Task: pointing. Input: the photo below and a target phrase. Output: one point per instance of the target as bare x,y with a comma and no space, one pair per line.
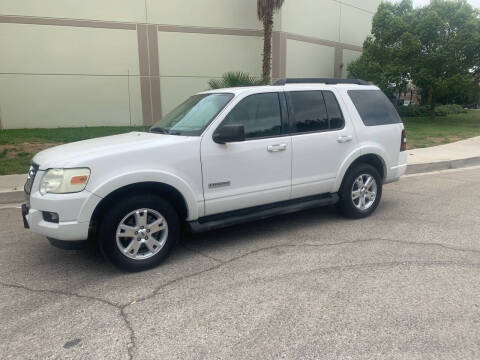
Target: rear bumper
399,170
395,173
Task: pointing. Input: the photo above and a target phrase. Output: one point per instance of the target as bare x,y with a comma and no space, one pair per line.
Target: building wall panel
111,10
348,57
189,60
47,49
29,101
314,18
208,55
368,5
240,14
309,60
355,25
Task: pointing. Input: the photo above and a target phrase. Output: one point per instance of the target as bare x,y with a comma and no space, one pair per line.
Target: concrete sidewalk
450,156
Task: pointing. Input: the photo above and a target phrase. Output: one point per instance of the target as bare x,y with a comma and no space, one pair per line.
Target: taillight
403,143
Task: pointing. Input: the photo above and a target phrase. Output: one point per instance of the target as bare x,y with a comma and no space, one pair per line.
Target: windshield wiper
175,133
159,130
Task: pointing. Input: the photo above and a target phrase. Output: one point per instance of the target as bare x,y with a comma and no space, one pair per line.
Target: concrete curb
442,165
16,196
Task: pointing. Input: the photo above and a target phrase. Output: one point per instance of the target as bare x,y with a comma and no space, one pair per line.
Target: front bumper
63,230
74,211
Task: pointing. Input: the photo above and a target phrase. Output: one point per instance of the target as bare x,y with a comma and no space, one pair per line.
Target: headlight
62,181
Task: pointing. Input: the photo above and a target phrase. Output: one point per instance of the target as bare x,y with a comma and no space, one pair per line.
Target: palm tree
265,11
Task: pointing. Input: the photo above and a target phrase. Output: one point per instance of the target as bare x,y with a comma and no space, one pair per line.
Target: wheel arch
166,191
372,159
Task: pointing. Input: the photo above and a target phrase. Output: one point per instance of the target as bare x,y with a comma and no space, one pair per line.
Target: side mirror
229,133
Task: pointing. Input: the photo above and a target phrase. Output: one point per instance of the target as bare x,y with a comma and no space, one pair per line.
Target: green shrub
235,79
413,111
450,109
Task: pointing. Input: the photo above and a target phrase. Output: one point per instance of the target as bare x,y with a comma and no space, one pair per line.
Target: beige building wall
68,63
201,57
309,60
348,57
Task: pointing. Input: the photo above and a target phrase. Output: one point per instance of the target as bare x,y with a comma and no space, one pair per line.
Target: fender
354,155
195,205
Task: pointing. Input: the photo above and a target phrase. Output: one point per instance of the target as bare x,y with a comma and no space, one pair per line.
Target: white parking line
10,206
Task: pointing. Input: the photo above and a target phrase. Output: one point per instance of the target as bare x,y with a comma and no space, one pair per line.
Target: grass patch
61,135
423,132
18,146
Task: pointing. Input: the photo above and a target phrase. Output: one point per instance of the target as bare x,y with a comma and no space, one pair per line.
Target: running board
218,221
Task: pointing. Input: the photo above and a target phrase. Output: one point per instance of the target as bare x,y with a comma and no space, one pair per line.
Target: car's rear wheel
361,191
139,233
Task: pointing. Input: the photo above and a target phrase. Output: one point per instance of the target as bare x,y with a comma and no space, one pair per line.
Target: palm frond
235,79
266,8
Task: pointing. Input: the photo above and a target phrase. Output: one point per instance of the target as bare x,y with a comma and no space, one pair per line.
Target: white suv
221,158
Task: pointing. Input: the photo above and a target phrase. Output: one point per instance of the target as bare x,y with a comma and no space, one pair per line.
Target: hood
82,153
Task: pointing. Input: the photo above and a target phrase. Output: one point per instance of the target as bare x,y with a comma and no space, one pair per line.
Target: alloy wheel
364,192
141,234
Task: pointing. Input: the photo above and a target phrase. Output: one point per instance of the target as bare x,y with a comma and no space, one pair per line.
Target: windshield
192,116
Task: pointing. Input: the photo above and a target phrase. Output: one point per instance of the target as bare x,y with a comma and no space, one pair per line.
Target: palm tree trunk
267,48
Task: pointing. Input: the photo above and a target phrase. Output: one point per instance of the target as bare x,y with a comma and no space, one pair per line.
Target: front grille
30,178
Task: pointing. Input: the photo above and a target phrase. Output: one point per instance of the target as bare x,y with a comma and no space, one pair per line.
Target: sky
475,3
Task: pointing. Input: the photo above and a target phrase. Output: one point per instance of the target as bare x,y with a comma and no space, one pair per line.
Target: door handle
344,139
277,147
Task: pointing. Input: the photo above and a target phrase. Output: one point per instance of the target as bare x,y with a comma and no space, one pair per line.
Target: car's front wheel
139,233
360,192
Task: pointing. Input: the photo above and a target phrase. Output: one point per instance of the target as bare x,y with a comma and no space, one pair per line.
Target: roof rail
328,81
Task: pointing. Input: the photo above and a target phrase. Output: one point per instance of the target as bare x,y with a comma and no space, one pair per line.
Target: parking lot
402,284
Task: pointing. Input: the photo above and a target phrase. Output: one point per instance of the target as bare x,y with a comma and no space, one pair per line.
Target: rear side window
316,111
310,111
374,107
333,109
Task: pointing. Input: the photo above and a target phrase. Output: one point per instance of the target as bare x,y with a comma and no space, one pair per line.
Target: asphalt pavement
402,284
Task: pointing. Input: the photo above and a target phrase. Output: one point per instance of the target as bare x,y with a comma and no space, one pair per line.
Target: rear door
382,126
321,140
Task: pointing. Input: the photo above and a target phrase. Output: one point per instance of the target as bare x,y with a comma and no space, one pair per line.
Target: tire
352,207
150,226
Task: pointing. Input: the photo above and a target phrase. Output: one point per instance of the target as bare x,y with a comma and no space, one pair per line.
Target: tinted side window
259,114
310,111
374,107
335,116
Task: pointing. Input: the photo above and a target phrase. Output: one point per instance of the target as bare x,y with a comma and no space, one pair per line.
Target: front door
253,172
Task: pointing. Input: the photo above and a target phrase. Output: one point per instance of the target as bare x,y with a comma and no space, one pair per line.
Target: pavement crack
133,337
195,251
376,265
58,292
447,247
220,263
131,346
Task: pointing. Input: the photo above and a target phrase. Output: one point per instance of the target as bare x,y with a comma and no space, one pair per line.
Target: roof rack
328,81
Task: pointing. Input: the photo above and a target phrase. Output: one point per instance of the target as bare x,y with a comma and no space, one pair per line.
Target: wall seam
164,28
